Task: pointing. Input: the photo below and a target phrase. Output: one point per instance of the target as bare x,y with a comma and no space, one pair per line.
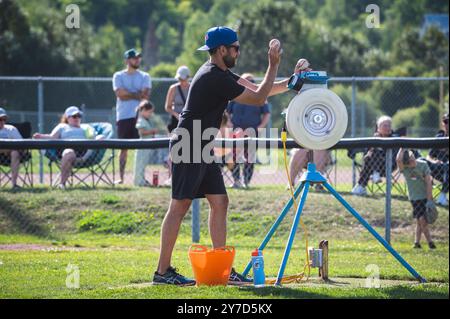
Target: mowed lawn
112,238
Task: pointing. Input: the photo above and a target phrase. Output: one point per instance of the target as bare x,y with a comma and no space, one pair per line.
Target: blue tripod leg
374,233
287,251
275,225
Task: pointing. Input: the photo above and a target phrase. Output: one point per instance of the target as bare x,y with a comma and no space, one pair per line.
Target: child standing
420,186
146,130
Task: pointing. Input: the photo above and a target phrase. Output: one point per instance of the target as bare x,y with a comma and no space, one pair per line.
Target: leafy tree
25,51
193,39
260,23
428,51
163,70
406,117
169,42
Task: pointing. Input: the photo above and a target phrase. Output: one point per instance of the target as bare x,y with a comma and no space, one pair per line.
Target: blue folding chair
95,163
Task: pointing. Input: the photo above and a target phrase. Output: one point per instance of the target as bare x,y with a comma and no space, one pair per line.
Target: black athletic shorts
419,208
126,129
195,180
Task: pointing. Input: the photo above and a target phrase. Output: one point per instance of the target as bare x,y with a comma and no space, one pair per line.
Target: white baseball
275,43
302,64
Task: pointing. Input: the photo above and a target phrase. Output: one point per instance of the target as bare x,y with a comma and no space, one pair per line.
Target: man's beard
135,66
229,61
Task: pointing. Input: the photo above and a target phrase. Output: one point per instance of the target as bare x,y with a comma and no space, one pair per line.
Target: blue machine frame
312,176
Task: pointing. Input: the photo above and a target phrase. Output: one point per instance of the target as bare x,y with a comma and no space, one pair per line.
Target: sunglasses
2,119
76,116
445,121
236,47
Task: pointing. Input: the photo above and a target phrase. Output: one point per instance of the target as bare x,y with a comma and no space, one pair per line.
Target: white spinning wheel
316,119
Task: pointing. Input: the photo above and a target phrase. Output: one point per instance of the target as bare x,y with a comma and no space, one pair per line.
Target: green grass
112,237
107,271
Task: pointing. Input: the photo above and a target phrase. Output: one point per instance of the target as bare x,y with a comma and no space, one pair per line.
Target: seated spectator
438,162
299,159
146,129
10,156
70,128
249,119
375,158
420,191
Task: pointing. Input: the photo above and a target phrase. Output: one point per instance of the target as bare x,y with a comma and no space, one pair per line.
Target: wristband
295,82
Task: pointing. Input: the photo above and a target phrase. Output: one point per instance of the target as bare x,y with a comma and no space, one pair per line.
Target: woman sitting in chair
70,128
375,158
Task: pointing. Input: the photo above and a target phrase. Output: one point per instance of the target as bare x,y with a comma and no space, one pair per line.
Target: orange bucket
211,267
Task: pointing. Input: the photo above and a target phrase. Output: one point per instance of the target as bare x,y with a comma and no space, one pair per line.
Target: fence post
353,126
388,208
41,125
196,220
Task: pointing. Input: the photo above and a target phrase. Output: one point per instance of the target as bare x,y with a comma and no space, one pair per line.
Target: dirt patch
37,247
28,247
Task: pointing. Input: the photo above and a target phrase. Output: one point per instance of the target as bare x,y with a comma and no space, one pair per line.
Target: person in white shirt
9,156
70,128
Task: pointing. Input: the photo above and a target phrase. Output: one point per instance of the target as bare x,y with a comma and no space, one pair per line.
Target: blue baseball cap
218,36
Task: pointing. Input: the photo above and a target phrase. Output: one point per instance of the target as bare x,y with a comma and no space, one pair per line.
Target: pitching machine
316,118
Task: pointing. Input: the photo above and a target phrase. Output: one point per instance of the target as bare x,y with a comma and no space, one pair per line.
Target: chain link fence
91,164
414,103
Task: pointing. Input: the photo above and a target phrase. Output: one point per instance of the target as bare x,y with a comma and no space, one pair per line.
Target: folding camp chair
95,165
26,161
379,186
438,184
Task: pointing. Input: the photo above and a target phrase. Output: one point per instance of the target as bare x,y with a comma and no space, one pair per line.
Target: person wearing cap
176,96
175,101
438,162
194,172
131,86
420,192
70,128
11,157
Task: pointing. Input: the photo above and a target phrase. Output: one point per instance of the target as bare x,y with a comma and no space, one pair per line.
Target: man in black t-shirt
194,175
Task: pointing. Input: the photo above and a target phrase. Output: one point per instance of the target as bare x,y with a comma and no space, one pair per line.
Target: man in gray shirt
131,86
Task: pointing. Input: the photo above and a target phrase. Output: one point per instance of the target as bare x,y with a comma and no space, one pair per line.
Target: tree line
332,34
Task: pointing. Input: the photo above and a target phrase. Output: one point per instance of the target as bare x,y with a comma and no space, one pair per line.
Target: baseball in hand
302,64
275,43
